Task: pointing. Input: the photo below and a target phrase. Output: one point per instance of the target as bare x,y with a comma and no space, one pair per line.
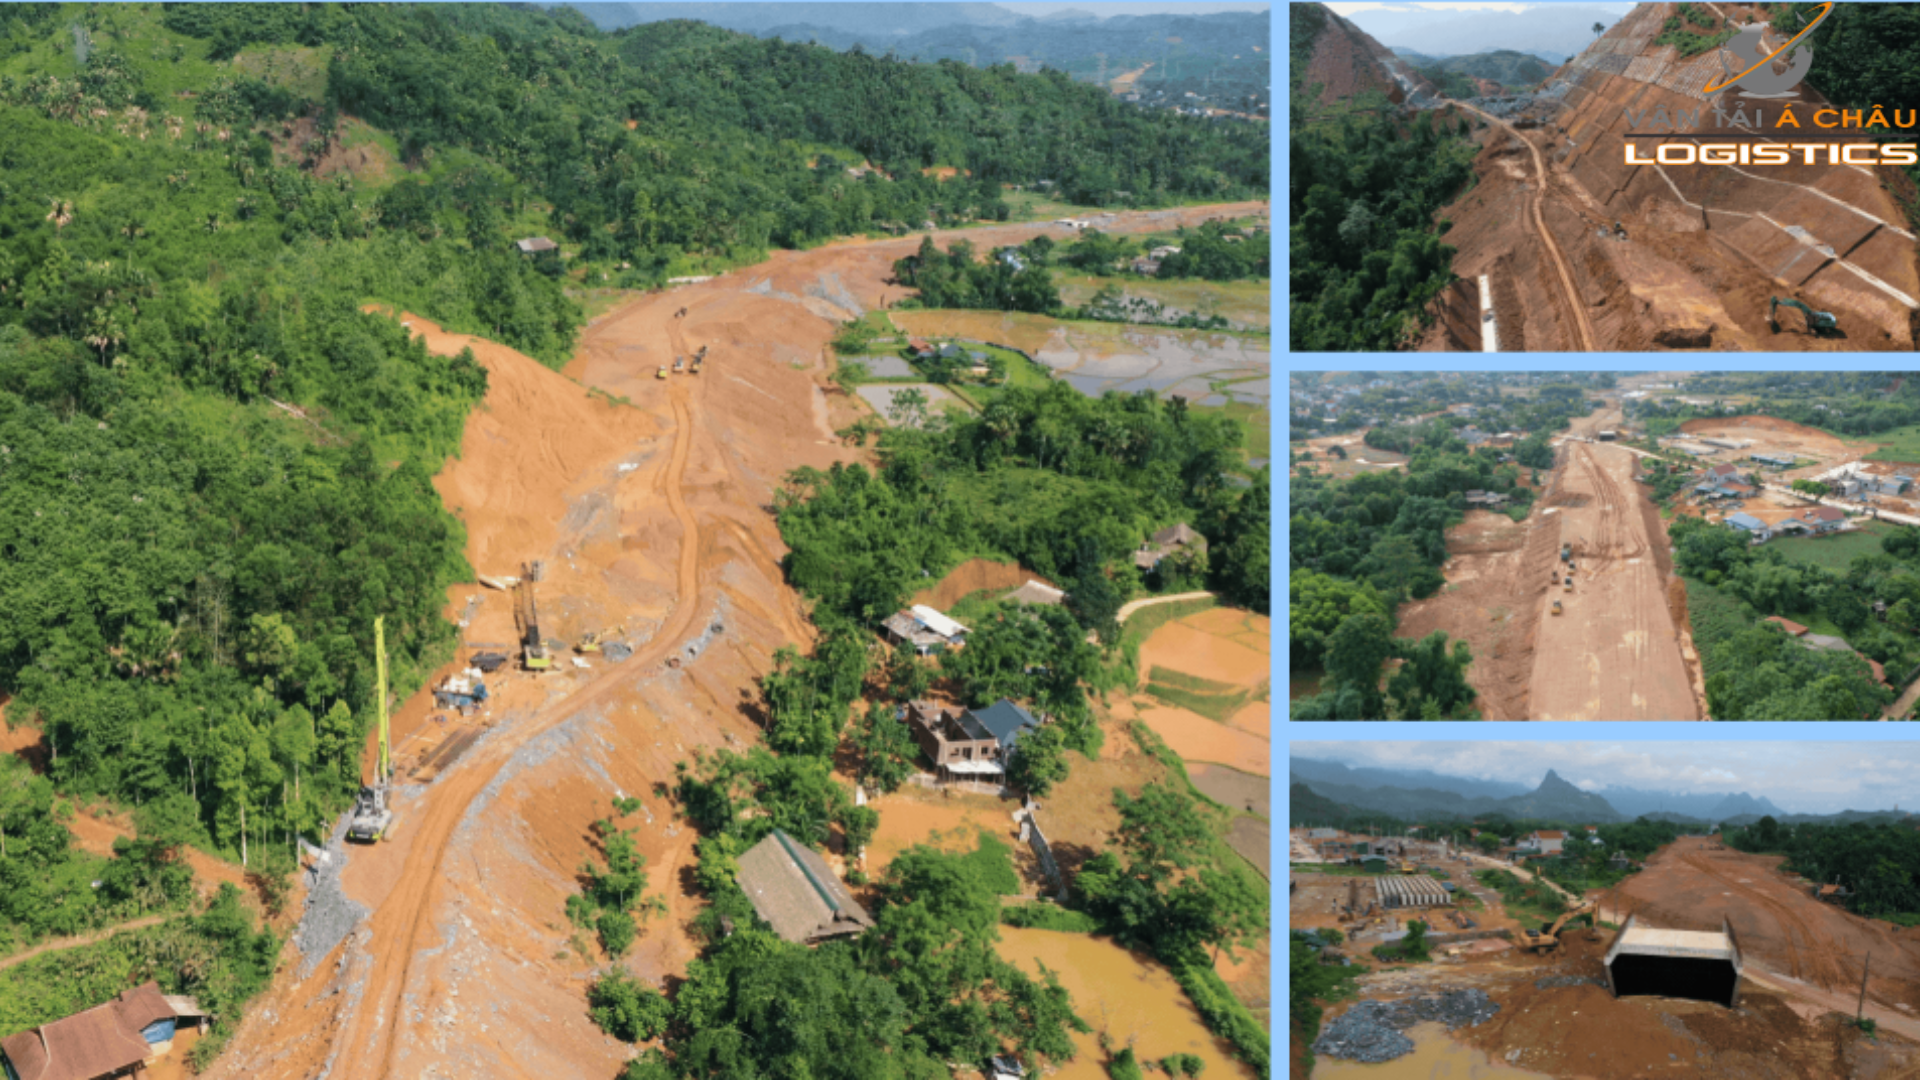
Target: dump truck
372,817
679,364
1569,585
1566,552
1556,607
1819,323
1546,939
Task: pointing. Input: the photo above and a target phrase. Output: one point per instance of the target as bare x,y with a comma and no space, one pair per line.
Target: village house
921,350
1488,499
1777,461
123,1037
1548,843
1166,542
1750,525
1035,594
1828,643
792,888
1826,519
534,245
924,629
964,743
1618,861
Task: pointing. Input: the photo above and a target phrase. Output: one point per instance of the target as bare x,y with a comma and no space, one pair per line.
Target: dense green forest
1365,250
725,156
1361,546
1878,864
1755,671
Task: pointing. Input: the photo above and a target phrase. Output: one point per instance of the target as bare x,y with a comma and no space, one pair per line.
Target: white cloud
1588,785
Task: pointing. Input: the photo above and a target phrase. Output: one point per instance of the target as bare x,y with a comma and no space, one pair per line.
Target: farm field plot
1244,303
1095,357
1834,551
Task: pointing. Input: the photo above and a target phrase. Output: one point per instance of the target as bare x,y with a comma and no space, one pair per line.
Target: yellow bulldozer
1556,607
1547,939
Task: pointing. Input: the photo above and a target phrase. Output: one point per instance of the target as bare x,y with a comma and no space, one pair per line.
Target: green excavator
1819,323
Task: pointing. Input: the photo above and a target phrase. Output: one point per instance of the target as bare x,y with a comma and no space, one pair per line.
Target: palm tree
213,223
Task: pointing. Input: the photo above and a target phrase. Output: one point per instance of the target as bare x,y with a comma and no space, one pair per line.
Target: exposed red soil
1347,62
1707,245
1691,885
972,576
650,517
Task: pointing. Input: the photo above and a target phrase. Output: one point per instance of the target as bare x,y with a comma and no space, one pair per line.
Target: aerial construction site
1591,222
631,596
1559,949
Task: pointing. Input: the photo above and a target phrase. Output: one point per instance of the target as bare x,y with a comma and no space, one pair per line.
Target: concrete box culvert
1690,964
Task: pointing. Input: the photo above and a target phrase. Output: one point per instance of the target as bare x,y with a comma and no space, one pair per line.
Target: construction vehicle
1546,939
1619,231
1819,323
679,364
662,373
1556,607
463,693
372,817
1566,552
699,359
1408,868
1569,585
534,652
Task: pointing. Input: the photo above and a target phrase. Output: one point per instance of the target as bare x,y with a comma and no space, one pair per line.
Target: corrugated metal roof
937,622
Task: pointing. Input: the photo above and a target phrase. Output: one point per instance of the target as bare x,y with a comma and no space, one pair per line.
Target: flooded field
1434,1057
1244,303
881,395
1206,367
1209,687
1128,997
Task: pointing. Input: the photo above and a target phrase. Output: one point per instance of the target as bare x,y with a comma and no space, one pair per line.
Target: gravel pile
1370,1031
1552,981
329,916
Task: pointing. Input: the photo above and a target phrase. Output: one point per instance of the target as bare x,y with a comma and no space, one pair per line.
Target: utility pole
1860,1011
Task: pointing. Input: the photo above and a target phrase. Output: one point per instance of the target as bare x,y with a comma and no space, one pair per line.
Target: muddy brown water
1435,1057
1133,1000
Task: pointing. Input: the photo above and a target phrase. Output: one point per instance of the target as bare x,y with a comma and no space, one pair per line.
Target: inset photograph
1603,909
1577,177
1593,546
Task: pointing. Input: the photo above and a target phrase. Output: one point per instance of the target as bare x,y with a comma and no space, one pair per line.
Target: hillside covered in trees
1367,176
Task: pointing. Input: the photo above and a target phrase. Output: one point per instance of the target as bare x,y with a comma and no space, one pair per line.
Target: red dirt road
1615,653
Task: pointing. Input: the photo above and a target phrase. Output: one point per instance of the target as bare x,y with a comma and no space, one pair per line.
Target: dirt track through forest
650,504
402,927
1569,294
74,942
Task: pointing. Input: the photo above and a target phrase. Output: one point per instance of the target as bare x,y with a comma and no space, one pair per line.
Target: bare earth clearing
651,518
1803,972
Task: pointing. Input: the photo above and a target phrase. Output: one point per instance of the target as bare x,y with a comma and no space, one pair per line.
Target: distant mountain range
1554,32
1504,66
1220,57
1331,792
1554,798
1333,772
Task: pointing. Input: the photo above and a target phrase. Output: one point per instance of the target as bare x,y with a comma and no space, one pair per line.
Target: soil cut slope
1707,245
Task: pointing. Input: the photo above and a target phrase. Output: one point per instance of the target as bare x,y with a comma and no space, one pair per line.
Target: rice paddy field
1243,303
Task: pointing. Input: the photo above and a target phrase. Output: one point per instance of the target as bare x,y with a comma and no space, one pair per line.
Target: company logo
1760,80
